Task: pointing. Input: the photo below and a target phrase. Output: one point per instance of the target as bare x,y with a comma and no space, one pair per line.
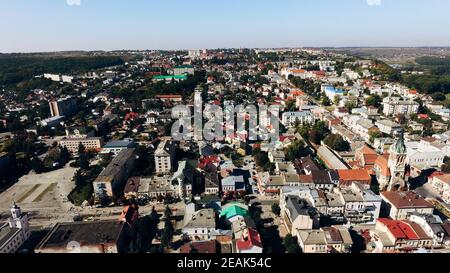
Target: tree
296,150
276,209
350,105
167,234
337,100
337,143
291,244
291,106
374,101
64,156
374,134
261,159
326,101
439,96
80,181
37,165
83,158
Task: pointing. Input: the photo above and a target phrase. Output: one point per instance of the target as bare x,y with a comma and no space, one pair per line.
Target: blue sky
53,25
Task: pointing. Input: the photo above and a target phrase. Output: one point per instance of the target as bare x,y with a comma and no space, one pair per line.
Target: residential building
400,236
90,144
234,212
115,147
348,177
395,105
331,160
298,214
388,127
325,179
114,176
170,78
441,182
422,156
362,206
433,227
250,242
331,92
83,237
199,225
402,204
290,119
165,157
184,70
63,107
53,121
233,183
326,240
203,247
312,241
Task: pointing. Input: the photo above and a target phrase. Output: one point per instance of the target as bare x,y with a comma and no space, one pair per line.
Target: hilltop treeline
437,76
14,70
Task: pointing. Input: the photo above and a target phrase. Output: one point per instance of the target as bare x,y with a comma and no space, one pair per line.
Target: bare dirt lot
41,195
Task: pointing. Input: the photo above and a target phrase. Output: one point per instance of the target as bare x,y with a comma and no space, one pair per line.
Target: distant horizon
218,48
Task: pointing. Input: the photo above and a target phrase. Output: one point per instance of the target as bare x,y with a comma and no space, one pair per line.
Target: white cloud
73,2
373,2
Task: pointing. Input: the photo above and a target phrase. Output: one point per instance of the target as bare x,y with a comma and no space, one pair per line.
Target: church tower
397,166
19,220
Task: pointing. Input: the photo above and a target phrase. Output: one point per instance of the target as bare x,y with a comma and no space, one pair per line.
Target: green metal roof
233,211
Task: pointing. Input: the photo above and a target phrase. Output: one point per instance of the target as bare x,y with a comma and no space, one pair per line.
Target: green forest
436,78
14,70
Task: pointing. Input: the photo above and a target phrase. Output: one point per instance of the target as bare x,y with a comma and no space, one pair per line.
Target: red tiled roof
399,229
354,175
382,164
253,239
208,160
306,179
418,230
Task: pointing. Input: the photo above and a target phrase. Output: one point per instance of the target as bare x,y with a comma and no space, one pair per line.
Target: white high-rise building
395,105
164,157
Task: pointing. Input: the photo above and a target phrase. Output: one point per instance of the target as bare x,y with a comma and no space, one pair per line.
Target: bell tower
397,165
18,219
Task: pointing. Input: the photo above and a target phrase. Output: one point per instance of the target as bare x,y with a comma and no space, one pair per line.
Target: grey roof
335,200
116,164
312,237
232,180
85,232
332,161
6,233
296,207
204,218
366,123
325,177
